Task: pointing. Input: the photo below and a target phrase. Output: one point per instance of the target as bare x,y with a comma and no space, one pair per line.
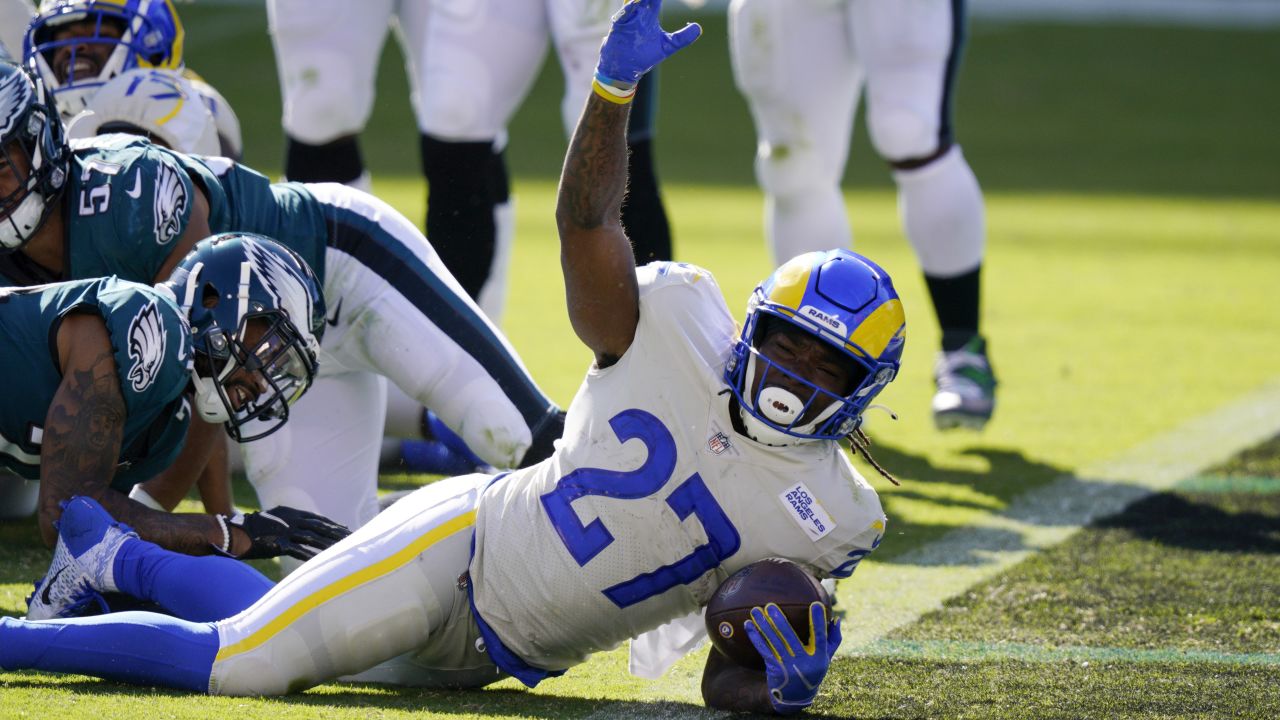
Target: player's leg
474,63
14,16
132,647
794,63
421,441
377,594
644,217
347,610
911,51
412,323
325,459
97,555
327,57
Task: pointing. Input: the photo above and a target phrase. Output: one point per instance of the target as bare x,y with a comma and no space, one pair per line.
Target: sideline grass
1165,610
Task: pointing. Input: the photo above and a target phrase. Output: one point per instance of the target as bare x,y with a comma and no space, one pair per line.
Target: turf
1130,286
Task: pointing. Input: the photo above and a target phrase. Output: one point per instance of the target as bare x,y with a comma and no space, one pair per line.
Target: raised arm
599,271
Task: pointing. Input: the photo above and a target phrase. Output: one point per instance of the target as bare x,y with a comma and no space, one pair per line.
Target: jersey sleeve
129,202
683,311
152,345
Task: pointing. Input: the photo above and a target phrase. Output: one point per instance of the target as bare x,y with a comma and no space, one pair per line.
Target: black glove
286,531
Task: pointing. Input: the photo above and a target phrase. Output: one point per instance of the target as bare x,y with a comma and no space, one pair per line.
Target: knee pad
900,134
785,170
325,99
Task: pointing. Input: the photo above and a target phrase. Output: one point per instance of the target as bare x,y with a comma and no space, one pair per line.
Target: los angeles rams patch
807,511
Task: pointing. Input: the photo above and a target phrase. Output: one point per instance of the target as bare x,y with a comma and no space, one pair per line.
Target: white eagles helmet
34,149
226,282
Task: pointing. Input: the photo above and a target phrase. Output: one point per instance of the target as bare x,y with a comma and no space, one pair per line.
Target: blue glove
637,43
793,670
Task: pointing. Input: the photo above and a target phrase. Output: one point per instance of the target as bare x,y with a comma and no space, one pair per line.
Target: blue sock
133,647
199,589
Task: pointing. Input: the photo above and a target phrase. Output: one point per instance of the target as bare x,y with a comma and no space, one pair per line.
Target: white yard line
887,595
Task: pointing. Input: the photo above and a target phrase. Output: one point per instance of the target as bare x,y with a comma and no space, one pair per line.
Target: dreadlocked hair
860,443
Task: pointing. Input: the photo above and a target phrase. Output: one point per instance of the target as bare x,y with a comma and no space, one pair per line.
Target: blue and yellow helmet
77,46
846,301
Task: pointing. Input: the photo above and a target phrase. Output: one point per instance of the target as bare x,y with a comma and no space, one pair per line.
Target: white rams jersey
651,499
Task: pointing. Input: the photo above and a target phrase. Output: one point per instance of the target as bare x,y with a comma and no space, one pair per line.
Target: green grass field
1130,288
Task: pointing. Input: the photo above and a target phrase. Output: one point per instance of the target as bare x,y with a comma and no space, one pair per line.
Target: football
773,580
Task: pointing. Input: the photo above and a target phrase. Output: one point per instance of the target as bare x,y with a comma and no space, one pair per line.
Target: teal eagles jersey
151,342
129,201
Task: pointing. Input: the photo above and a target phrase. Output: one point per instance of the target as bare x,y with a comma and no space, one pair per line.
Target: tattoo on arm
594,179
82,436
599,270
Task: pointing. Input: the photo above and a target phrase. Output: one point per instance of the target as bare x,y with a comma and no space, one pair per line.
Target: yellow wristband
613,94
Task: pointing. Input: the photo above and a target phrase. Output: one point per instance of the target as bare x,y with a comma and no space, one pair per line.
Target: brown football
773,580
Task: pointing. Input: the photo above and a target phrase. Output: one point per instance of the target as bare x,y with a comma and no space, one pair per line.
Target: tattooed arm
599,270
729,686
82,436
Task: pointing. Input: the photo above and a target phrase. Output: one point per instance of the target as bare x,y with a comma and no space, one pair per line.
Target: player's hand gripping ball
777,581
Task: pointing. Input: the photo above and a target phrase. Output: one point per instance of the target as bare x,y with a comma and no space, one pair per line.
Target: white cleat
83,561
966,394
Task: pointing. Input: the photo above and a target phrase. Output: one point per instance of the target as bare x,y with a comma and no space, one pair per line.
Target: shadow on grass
1241,524
1010,473
498,702
23,557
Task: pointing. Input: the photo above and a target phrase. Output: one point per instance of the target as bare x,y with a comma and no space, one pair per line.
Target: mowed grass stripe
888,595
966,651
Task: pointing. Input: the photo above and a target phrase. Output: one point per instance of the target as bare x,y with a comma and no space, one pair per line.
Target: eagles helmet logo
147,338
15,89
170,204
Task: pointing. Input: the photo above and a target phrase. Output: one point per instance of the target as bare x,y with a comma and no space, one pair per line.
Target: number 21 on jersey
692,497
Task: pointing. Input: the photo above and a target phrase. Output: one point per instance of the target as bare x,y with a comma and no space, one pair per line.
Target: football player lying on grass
101,371
119,205
690,451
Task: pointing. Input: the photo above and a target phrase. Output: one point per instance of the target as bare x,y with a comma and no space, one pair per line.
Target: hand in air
793,670
637,43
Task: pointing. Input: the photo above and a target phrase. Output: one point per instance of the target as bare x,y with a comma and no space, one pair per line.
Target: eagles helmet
108,37
255,307
34,153
847,302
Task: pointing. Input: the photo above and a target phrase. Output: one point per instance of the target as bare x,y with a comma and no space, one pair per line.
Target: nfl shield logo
718,443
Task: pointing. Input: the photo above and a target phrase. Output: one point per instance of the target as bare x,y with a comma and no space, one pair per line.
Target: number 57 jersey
652,499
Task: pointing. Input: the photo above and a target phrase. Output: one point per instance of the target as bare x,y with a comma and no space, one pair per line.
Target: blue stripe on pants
386,256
